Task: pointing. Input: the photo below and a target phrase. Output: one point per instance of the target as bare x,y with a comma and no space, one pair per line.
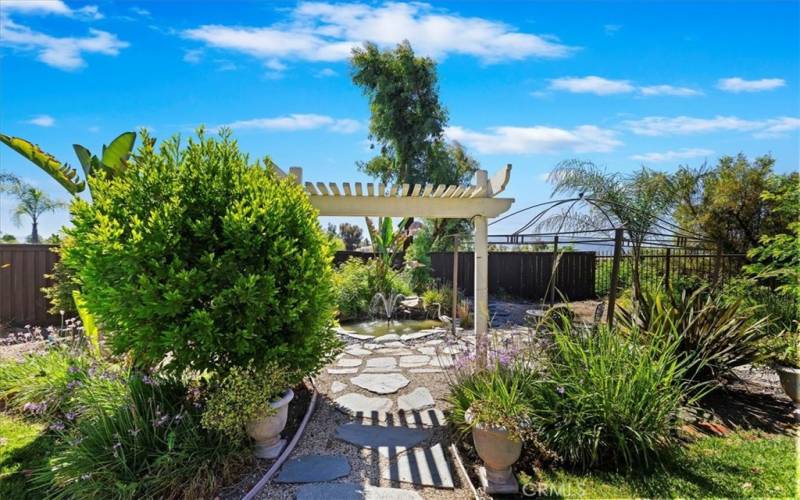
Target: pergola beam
401,206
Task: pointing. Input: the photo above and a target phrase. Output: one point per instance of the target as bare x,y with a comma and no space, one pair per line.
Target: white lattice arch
477,202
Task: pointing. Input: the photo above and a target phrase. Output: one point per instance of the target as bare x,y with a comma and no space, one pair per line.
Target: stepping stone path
313,469
379,382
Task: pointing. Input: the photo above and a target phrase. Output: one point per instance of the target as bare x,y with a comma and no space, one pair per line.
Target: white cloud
653,90
682,125
325,73
296,122
140,11
536,139
60,52
737,84
325,32
56,7
591,85
603,86
42,121
193,56
673,155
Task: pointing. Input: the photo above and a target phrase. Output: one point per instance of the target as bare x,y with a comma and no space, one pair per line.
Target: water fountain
389,302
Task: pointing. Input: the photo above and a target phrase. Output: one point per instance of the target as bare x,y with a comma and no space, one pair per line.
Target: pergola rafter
477,202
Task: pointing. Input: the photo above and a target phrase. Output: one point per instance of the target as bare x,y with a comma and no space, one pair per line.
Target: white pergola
477,202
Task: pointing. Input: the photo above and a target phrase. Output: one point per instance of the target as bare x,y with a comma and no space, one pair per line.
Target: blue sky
527,83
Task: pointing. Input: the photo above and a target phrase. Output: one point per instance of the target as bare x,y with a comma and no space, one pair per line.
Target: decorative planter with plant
253,400
491,401
787,364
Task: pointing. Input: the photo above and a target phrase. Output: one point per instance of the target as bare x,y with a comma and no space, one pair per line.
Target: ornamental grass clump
243,395
610,399
194,257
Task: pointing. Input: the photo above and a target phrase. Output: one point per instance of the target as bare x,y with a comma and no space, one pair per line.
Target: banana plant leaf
61,172
117,153
89,324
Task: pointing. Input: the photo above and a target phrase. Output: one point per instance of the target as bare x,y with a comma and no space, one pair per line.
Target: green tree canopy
725,203
33,203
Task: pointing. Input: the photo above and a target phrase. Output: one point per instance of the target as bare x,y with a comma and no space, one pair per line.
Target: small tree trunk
35,232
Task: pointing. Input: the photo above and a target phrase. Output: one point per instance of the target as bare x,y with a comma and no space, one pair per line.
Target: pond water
376,328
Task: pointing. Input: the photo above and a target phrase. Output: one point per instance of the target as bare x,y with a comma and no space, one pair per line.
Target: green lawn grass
24,445
742,465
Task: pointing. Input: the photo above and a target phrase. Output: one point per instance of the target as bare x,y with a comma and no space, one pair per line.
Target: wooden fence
523,274
22,270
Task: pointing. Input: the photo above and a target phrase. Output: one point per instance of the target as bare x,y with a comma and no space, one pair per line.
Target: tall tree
407,120
724,203
33,203
351,234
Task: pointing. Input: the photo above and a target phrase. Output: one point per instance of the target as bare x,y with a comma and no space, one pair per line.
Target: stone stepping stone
381,370
394,344
426,370
421,466
348,362
342,371
418,335
357,351
442,362
314,469
389,441
380,383
453,349
371,345
418,399
389,337
349,491
394,351
337,386
358,404
414,361
352,335
384,362
432,417
428,351
434,342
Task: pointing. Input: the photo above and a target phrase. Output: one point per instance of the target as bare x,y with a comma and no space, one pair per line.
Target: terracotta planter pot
790,381
266,431
498,452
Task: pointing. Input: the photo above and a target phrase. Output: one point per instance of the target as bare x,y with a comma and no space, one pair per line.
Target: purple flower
86,477
58,425
73,384
560,390
72,369
70,416
147,380
160,421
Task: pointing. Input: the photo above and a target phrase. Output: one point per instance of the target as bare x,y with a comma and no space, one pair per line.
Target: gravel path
382,376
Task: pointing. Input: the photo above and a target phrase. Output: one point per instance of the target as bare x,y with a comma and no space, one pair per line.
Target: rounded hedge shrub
198,257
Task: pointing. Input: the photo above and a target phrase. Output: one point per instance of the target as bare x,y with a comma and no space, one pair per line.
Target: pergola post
481,274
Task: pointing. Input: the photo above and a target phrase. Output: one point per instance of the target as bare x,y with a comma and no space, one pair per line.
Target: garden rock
380,383
385,362
414,361
313,469
418,399
389,441
337,386
356,404
348,362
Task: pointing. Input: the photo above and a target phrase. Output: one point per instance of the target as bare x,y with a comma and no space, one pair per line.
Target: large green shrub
610,399
195,255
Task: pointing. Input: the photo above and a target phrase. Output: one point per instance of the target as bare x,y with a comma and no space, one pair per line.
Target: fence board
522,274
21,299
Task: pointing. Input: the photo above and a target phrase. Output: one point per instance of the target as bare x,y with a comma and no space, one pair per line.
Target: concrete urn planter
790,381
498,452
266,431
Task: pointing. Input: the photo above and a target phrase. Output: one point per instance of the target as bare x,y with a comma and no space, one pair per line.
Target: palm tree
635,203
33,203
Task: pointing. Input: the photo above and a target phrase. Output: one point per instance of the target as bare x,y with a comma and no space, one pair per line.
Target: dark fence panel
22,270
523,274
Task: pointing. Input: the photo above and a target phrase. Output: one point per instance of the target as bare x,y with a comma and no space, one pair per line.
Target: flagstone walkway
379,429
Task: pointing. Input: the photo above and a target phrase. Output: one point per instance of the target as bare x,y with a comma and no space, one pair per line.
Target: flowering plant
244,394
493,392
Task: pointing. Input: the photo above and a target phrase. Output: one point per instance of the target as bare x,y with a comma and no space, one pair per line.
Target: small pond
377,328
